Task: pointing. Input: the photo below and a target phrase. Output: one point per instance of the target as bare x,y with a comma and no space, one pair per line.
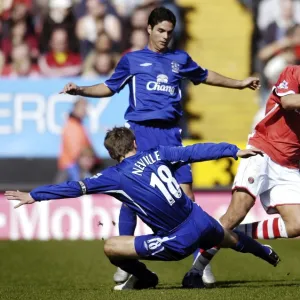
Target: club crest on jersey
159,84
283,85
251,180
175,67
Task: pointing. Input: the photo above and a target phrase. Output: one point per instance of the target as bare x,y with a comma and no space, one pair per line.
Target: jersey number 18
165,178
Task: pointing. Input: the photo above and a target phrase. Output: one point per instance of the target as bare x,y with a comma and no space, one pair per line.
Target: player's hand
71,89
252,83
24,198
249,152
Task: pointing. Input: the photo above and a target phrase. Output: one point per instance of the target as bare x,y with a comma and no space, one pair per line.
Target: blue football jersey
145,182
155,82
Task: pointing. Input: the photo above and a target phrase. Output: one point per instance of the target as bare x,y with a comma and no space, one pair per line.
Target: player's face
161,34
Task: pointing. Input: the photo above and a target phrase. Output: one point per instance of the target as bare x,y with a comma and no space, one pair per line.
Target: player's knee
109,247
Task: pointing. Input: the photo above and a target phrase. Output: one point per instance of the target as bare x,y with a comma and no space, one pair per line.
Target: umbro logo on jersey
146,64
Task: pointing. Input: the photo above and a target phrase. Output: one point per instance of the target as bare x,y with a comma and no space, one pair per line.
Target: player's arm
203,152
290,102
68,189
216,79
197,75
102,182
113,85
287,89
94,91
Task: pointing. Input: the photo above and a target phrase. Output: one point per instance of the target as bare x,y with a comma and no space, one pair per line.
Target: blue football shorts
199,230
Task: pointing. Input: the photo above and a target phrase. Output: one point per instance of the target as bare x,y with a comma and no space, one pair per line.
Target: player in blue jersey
154,76
145,182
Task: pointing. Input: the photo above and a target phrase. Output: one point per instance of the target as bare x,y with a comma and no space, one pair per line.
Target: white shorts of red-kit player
274,184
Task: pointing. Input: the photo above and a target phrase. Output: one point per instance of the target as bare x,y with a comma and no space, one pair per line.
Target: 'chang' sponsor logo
160,85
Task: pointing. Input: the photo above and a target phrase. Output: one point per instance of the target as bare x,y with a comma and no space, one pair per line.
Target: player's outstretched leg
237,241
239,206
127,224
245,244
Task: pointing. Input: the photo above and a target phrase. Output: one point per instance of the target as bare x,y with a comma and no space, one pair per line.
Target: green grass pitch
79,270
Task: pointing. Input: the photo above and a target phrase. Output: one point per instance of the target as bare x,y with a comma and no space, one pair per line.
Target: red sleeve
287,83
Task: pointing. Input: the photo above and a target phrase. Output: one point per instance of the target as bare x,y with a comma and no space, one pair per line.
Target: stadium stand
214,37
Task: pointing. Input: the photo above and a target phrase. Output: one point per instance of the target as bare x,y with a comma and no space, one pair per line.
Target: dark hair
118,142
159,15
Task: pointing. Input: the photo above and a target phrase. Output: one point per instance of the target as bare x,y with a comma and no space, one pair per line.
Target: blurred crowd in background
275,41
61,38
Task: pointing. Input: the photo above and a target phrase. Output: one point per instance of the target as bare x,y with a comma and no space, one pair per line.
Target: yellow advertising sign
216,173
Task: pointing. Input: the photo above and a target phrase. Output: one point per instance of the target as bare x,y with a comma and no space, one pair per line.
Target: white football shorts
274,184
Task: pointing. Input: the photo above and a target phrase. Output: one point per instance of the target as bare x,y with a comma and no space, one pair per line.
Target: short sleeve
193,71
287,83
120,76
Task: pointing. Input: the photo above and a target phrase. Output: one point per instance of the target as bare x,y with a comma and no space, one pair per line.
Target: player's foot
133,283
120,276
208,277
193,280
273,256
128,285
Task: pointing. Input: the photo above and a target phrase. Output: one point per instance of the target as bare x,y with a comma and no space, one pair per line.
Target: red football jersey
278,133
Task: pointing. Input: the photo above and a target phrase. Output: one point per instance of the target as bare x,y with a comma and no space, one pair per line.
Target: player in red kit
274,177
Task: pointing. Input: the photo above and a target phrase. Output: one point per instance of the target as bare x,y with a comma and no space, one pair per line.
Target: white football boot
133,283
208,277
128,285
120,276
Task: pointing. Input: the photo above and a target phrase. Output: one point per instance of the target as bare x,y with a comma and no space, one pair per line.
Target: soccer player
154,76
145,181
274,177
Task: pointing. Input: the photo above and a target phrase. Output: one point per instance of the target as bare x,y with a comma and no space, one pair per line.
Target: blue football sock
247,245
127,221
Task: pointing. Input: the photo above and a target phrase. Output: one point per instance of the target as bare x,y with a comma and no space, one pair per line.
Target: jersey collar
158,53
